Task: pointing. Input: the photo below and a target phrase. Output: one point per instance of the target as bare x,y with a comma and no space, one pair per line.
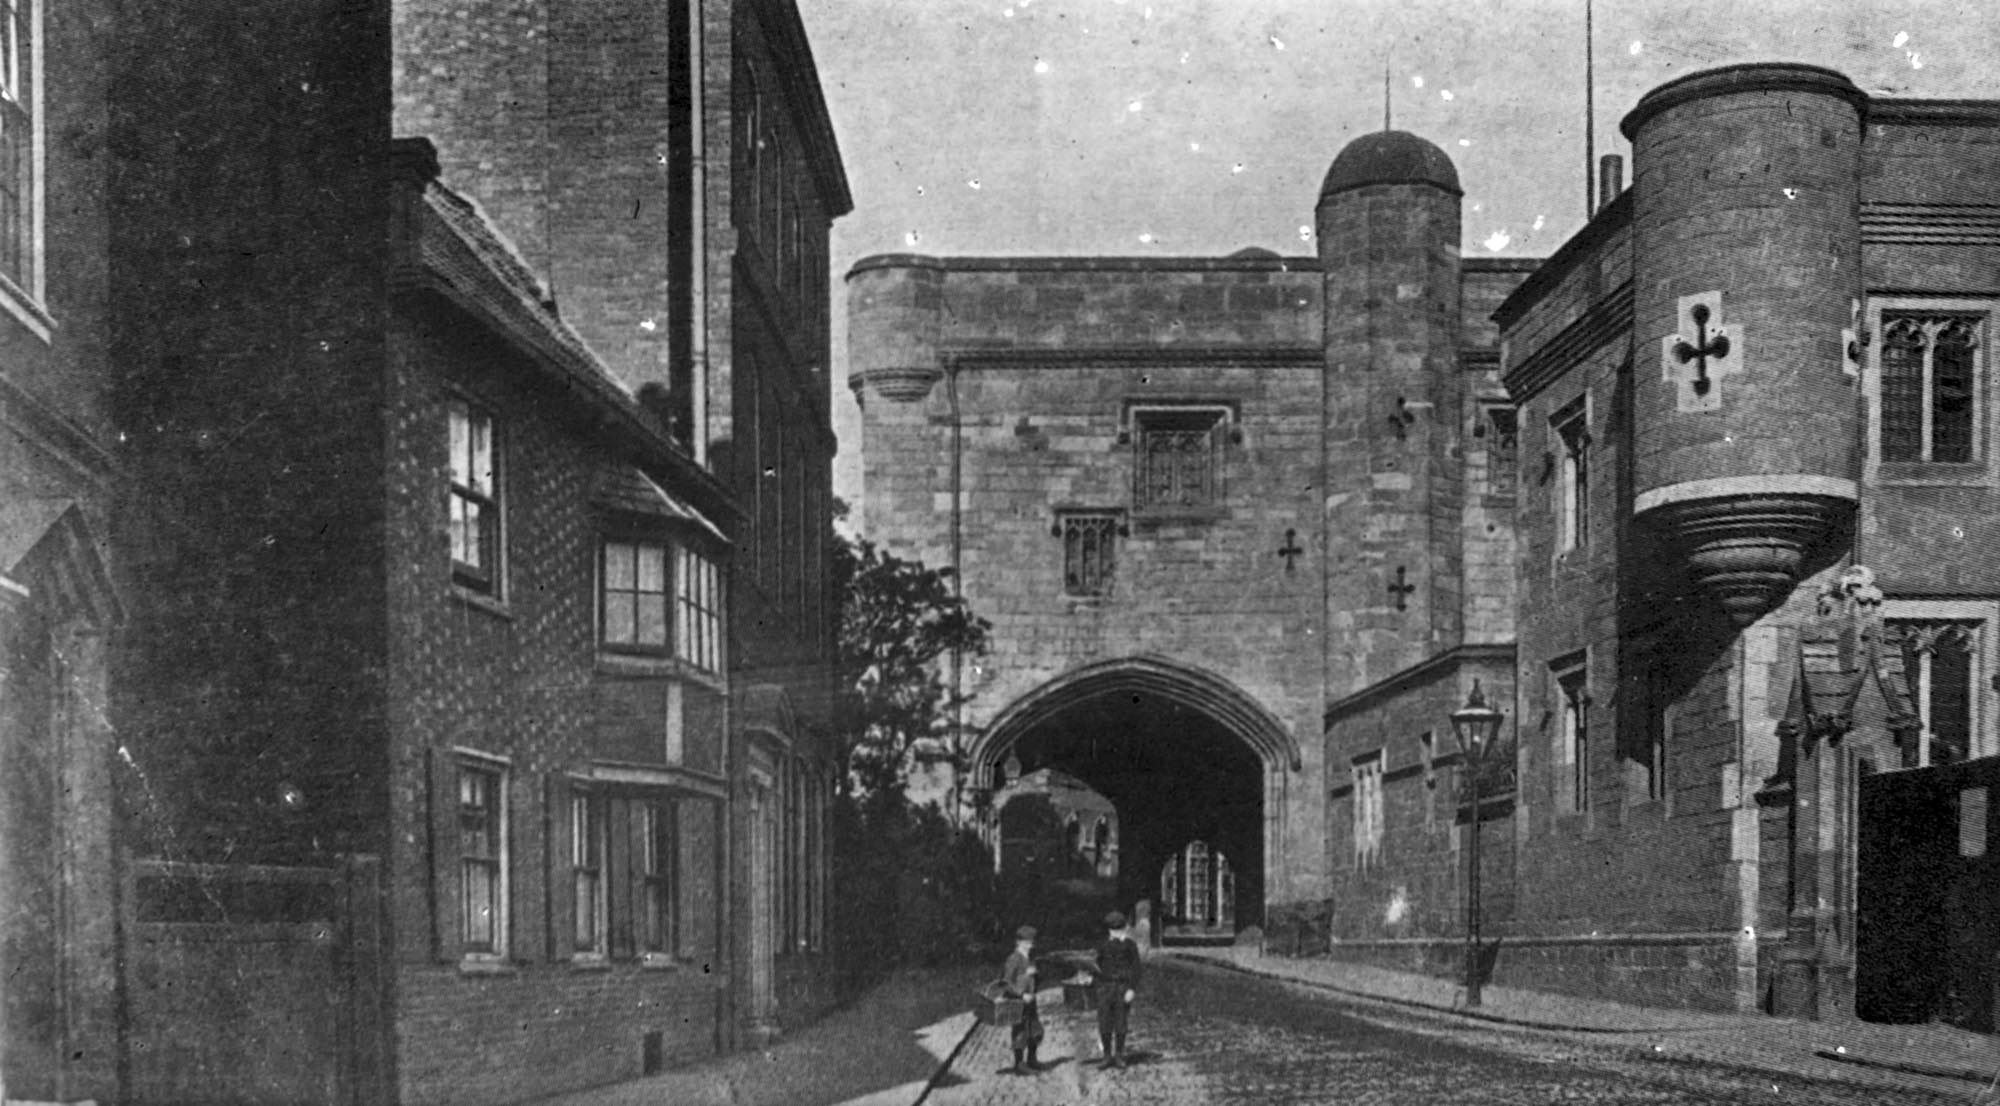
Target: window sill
612,663
589,962
1937,473
660,962
487,965
482,602
1155,516
26,310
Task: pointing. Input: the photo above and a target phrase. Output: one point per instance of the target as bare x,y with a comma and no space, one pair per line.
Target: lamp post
1477,727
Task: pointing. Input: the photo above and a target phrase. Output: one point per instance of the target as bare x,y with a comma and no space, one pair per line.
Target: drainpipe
957,574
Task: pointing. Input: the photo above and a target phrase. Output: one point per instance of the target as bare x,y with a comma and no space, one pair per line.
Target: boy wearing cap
1117,985
1018,976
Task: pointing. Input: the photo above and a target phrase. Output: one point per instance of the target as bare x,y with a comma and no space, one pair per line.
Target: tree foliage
902,627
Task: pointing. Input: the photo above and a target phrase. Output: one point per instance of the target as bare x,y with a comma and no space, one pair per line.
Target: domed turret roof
1390,157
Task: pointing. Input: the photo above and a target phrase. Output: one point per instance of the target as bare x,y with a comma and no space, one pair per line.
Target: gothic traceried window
1929,388
1939,664
1498,429
1368,819
1572,689
1177,458
1571,427
1090,551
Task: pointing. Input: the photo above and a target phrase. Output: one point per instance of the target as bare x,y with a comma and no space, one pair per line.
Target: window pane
481,458
1952,396
1950,713
619,571
619,623
652,568
652,619
1903,392
480,915
461,439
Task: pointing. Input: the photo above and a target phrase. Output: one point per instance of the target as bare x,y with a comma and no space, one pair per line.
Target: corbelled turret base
1747,552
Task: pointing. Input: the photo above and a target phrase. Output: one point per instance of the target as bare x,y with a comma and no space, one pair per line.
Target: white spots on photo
910,238
1041,66
1498,240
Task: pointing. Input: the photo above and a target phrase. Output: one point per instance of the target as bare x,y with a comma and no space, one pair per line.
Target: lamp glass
1475,724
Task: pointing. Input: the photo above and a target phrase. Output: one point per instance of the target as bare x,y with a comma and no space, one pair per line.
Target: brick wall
517,677
250,219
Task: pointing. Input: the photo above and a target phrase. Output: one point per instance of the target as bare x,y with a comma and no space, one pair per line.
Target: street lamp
1477,727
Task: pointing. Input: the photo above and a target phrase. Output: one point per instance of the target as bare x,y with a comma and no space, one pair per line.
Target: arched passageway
1183,757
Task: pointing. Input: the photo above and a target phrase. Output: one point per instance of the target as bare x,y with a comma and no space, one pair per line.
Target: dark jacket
1118,962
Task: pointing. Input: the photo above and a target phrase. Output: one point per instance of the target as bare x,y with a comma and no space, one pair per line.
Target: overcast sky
1199,127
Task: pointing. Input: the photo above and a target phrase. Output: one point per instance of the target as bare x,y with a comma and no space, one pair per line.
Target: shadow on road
878,1051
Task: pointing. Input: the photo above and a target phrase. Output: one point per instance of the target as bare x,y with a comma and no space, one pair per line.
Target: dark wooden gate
247,985
1928,896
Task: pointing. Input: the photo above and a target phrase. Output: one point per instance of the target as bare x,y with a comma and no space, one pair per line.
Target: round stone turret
1390,157
1388,229
1747,247
895,306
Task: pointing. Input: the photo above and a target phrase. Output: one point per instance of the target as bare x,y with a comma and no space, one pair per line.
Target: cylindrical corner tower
895,322
1747,255
895,314
1388,228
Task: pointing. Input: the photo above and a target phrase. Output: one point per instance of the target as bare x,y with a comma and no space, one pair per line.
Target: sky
1164,128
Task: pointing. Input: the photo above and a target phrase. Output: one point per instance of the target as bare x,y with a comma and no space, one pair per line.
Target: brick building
671,172
1250,529
426,554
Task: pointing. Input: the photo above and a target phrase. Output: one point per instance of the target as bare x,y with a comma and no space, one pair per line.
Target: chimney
1610,180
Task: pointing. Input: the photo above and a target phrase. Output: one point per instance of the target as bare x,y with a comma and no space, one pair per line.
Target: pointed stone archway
1182,753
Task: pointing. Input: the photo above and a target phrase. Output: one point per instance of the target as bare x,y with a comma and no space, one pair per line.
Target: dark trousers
1027,1032
1111,1014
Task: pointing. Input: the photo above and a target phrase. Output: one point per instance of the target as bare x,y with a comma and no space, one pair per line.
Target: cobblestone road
1206,1036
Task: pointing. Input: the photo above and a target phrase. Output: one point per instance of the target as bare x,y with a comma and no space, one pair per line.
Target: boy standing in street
1018,976
1117,985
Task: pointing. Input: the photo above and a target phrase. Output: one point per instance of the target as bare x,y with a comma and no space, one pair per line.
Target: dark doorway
1175,775
1929,876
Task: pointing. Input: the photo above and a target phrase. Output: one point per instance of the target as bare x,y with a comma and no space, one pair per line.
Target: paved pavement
1823,1049
883,1049
1207,1029
1206,1035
